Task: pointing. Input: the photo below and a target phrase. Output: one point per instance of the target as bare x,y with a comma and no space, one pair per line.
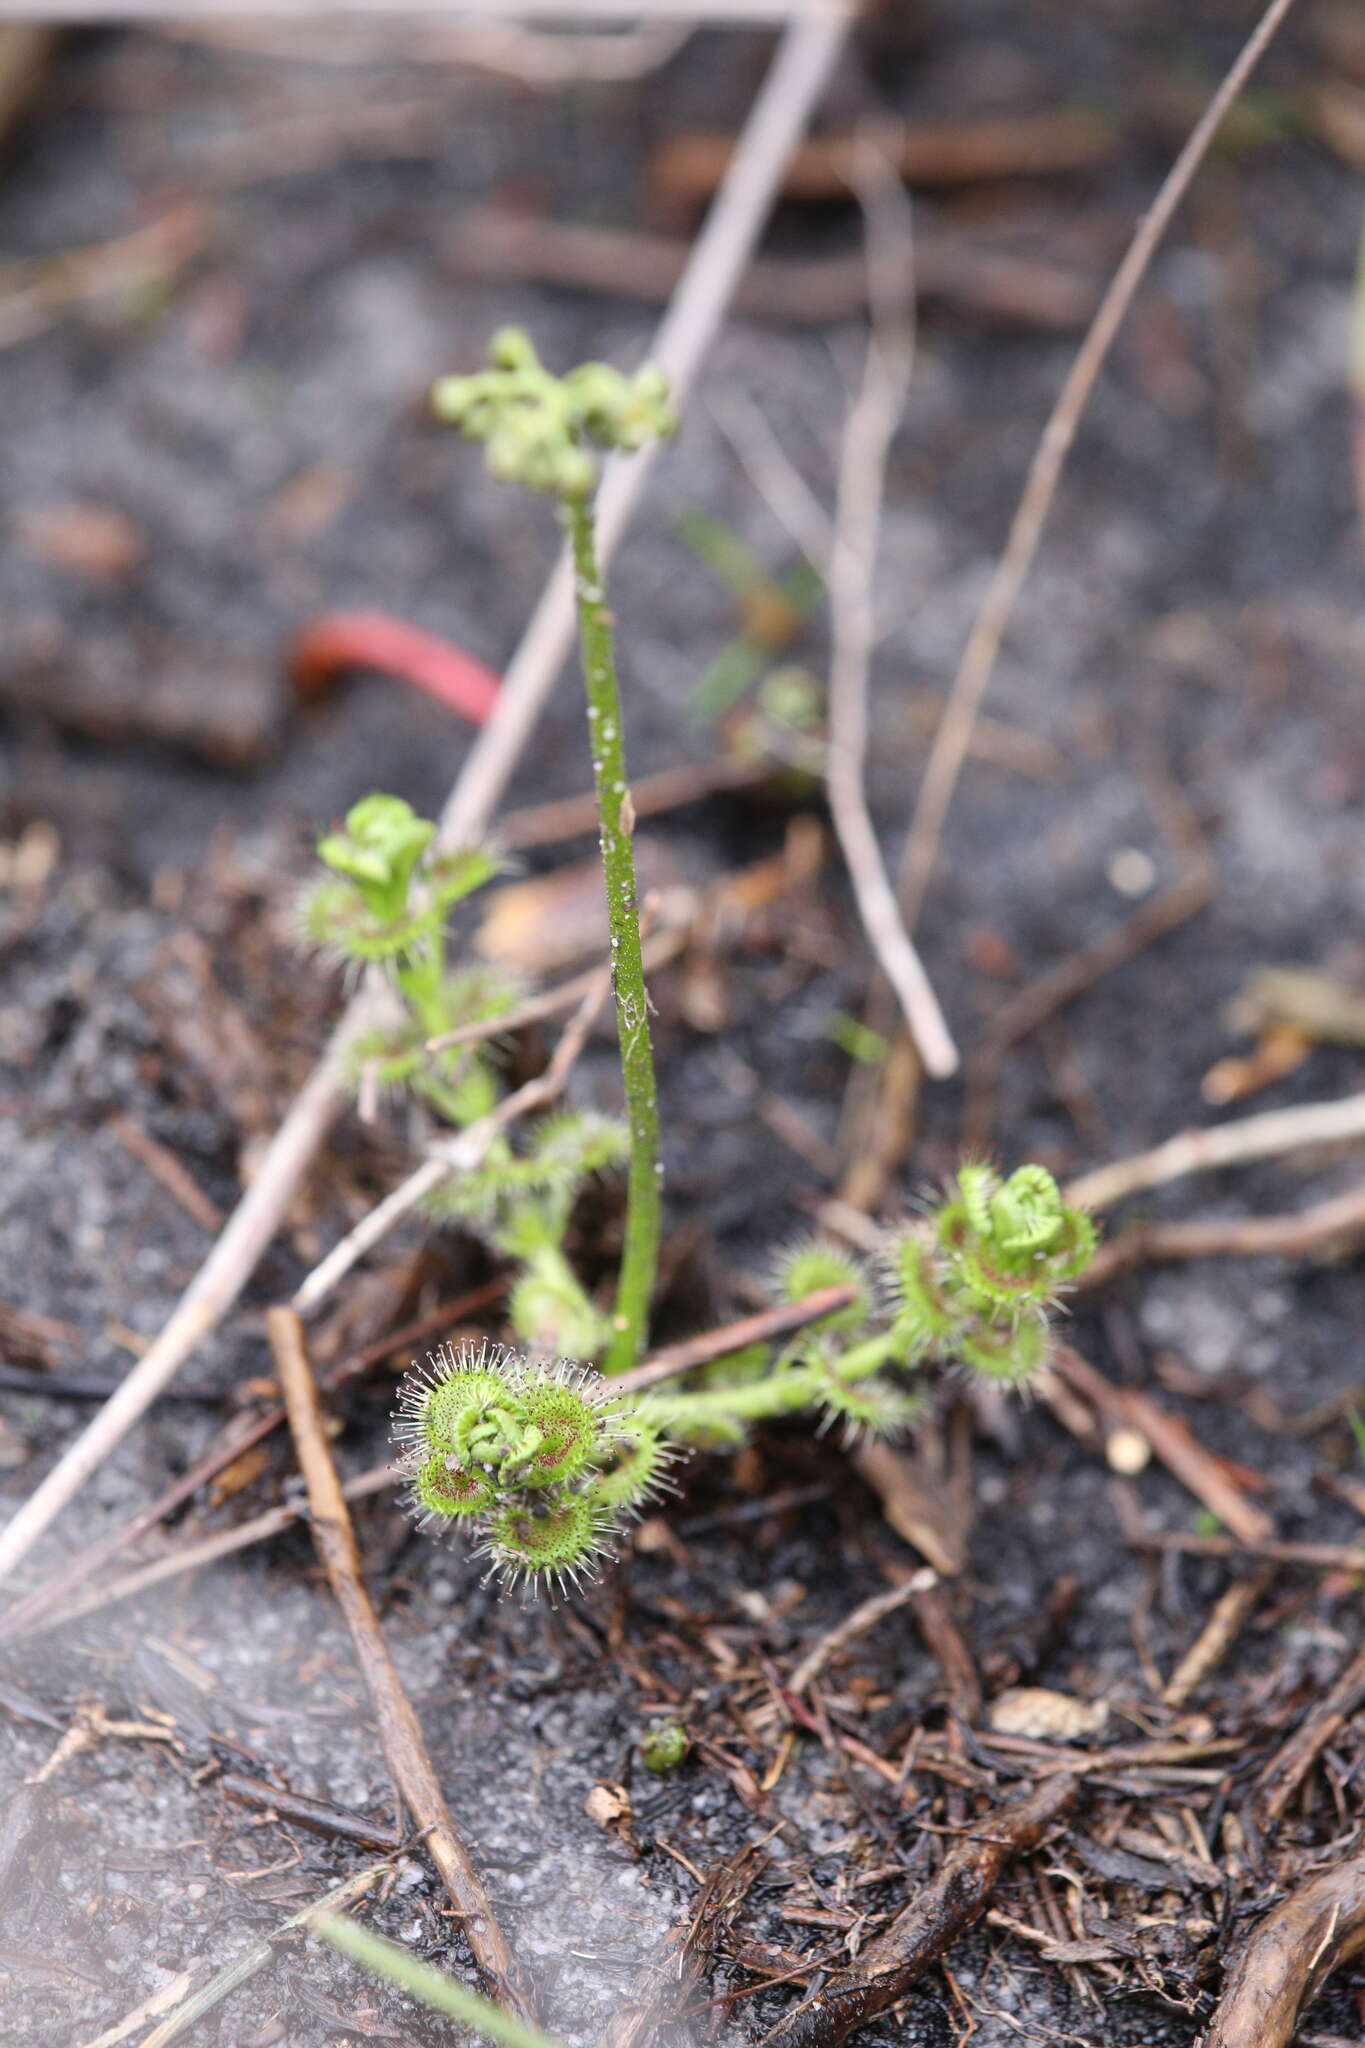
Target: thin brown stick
1287,1769
804,61
1231,1612
1004,284
462,1154
317,1816
37,293
400,1731
1321,1557
205,1301
928,1927
1070,978
933,1612
1179,1450
29,1612
977,666
665,946
872,424
764,1328
172,1173
192,1557
575,817
1290,1957
877,1122
864,1617
1325,1227
650,2011
686,167
1266,1136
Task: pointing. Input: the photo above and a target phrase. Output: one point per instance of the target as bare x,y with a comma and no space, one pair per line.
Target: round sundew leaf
554,1539
442,1488
1002,1353
570,1427
638,1468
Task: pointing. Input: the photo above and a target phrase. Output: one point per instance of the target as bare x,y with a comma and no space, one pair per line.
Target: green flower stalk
542,431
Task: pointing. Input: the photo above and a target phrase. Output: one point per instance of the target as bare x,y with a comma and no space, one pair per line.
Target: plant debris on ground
1043,1725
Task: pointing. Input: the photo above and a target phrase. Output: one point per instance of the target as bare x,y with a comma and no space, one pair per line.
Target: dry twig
978,661
1289,1958
317,1816
575,817
1287,1769
926,1929
462,1154
1321,1557
35,294
400,1731
1042,999
255,1958
1001,283
865,1616
1324,1227
192,1557
1266,1136
554,1001
1180,1451
1230,1614
172,1173
862,481
686,168
676,1966
30,1612
764,1328
804,60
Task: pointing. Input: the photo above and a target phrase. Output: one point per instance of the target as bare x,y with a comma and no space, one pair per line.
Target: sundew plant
544,1461
534,1453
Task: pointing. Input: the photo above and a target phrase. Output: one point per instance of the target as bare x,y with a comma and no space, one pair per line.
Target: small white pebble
1128,1452
1131,871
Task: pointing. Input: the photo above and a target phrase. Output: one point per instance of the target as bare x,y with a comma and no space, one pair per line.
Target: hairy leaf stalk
644,1205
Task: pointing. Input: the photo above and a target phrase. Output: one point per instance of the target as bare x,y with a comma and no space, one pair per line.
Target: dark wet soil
1193,624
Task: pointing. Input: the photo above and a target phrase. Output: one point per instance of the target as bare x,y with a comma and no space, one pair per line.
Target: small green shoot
773,610
431,1988
858,1040
1356,1423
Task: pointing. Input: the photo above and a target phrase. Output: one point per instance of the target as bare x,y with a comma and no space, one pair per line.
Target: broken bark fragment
929,1926
1289,1958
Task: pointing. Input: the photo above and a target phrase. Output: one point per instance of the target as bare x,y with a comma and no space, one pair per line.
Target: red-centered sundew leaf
338,641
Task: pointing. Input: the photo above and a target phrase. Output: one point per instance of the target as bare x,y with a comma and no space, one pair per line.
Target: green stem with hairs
756,1401
644,1194
781,1393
